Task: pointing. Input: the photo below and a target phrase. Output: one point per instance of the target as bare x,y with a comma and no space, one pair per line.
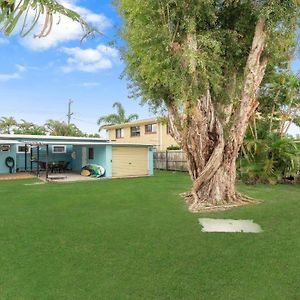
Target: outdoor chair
42,165
62,166
66,166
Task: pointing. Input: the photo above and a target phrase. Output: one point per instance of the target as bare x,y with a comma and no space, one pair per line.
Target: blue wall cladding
3,155
100,157
52,157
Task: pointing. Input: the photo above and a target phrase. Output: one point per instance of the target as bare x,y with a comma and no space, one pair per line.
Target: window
4,148
150,128
21,149
91,153
135,131
119,133
59,149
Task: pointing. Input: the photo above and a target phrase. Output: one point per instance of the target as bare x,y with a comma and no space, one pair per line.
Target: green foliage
269,160
28,13
7,124
30,128
268,153
57,128
157,52
279,99
173,147
117,118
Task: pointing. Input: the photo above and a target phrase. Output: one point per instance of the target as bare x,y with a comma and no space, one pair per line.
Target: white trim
43,143
152,125
8,142
65,149
49,137
23,145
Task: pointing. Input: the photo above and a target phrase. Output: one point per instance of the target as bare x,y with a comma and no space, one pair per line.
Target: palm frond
13,11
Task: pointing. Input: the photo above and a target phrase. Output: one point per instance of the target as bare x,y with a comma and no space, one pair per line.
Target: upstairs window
151,128
135,131
119,133
59,149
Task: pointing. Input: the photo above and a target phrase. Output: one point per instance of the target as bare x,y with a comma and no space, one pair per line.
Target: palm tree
117,118
25,127
12,11
7,124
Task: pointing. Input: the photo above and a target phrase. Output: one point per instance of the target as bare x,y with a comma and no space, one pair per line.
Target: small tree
118,118
203,61
57,128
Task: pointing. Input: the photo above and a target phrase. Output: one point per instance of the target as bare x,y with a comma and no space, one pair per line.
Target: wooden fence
174,160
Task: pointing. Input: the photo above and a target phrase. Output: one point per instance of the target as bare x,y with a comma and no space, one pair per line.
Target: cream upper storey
150,131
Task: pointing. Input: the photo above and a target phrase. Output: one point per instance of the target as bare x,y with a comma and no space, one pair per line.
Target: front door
84,157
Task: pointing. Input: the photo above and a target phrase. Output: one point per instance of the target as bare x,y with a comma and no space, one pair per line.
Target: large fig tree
203,61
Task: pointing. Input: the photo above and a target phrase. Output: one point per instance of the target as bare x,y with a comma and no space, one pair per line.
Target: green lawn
135,239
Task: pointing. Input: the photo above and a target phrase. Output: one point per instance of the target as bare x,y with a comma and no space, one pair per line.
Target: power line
84,121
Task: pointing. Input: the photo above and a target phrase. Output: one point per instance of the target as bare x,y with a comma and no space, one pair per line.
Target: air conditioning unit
4,148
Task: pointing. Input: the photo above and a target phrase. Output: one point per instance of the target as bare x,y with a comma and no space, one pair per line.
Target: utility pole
69,114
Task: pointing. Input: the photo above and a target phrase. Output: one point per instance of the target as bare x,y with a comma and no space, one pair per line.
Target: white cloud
90,60
4,41
14,75
64,29
89,84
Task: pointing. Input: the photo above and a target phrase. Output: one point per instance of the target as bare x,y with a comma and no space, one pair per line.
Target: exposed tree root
202,205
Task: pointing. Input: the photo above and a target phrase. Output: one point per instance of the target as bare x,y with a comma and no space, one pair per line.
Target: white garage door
129,161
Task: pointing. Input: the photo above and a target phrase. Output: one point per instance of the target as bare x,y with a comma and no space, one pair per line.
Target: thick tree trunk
211,155
212,163
218,190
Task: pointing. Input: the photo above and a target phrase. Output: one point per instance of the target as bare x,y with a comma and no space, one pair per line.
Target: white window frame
137,132
2,146
23,145
153,128
64,146
121,131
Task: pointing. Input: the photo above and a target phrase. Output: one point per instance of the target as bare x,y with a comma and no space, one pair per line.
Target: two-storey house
151,131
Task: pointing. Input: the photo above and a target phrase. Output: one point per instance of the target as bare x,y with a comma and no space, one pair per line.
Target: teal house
19,153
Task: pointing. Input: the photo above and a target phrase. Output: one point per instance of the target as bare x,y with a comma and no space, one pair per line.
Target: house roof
48,137
137,122
40,140
8,142
78,143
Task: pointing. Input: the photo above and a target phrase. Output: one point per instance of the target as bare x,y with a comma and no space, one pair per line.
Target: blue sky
38,76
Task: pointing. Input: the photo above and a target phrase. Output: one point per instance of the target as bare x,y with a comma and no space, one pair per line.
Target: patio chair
63,166
66,166
42,165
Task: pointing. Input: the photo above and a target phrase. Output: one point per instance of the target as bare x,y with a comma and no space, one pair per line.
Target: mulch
15,176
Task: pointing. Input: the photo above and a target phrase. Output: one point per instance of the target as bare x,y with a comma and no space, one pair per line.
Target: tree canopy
202,62
57,128
158,55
